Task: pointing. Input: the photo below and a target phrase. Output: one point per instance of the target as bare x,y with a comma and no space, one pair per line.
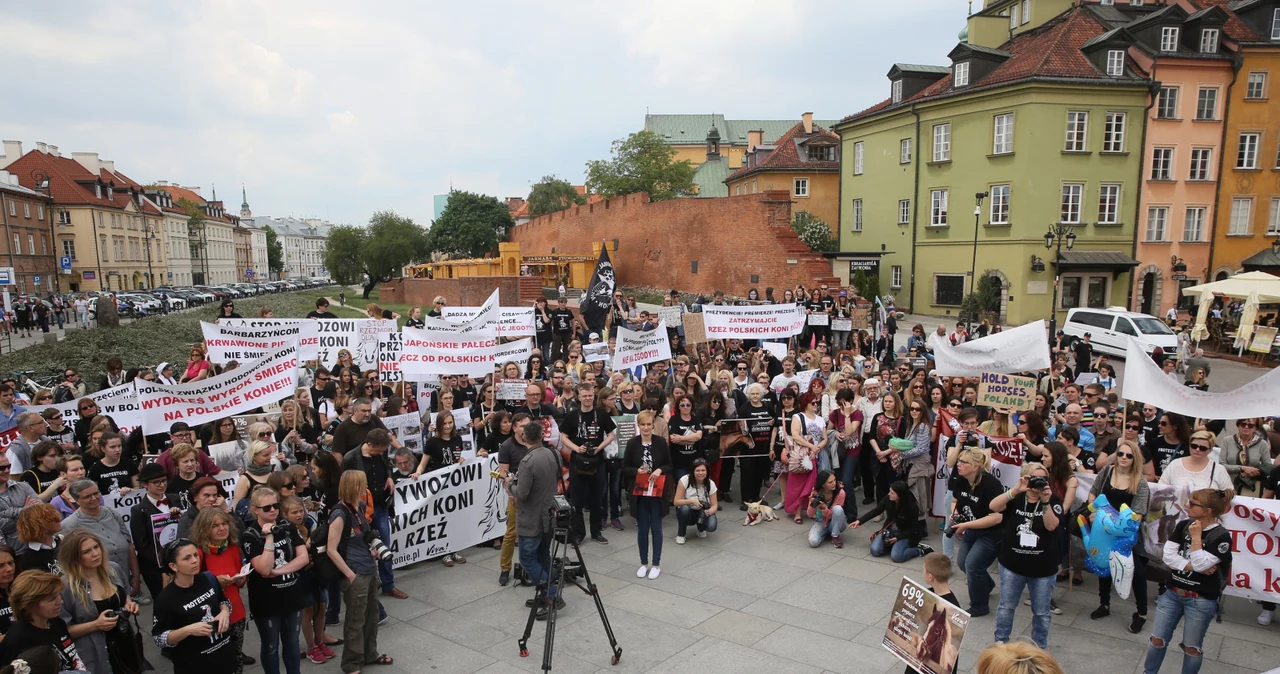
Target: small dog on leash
758,512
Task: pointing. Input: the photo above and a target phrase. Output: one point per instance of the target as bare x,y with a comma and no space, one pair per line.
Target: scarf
168,381
260,471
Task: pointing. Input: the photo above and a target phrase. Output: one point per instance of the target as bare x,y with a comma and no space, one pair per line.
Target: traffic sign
6,276
170,274
65,264
248,273
37,280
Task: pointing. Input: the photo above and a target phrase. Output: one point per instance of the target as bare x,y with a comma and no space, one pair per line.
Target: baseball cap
844,293
179,427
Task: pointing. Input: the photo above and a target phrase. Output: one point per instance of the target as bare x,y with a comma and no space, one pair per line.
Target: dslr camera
380,549
957,518
1037,482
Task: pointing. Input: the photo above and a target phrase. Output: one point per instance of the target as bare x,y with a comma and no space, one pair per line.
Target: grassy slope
152,341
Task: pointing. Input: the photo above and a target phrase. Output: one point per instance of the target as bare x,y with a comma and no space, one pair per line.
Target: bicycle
34,385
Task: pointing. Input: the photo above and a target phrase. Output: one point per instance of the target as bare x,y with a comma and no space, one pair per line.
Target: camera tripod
564,571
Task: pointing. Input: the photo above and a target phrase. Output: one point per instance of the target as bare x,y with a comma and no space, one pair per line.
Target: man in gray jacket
535,492
14,496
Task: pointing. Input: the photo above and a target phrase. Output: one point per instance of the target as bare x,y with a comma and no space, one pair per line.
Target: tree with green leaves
275,252
374,254
196,239
642,162
812,231
552,194
470,226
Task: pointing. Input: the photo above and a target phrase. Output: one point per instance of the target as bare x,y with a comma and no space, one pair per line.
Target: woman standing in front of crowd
977,525
93,597
1123,483
216,536
1198,553
36,600
647,454
808,435
359,572
916,468
761,428
276,553
193,615
257,469
1029,551
888,424
1198,471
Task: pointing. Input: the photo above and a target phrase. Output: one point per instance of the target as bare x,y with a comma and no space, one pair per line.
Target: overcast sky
334,110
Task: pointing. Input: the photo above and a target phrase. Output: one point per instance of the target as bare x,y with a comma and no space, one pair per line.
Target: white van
1111,328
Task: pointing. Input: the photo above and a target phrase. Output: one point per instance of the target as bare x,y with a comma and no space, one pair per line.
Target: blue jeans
382,521
649,520
899,552
835,526
686,515
535,557
615,491
1011,585
279,634
1170,608
975,555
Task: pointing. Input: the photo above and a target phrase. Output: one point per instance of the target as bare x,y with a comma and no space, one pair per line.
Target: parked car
1110,330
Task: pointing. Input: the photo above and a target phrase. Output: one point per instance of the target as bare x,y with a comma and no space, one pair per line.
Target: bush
867,285
813,232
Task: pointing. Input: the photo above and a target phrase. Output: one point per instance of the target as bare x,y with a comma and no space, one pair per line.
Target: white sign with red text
119,403
753,322
432,352
277,328
269,379
637,348
226,343
480,322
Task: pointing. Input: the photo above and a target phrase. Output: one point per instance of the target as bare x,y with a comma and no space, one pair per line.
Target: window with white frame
1084,290
904,211
1247,151
1193,226
904,151
1209,41
1115,62
942,142
1201,161
17,244
1113,132
31,244
897,91
1162,163
1273,224
1157,223
1167,107
69,248
13,209
938,208
1241,213
1077,128
1169,38
801,188
1072,195
1109,204
857,158
895,276
999,205
857,215
1014,15
1002,134
39,211
960,74
1256,86
1026,12
1275,24
1207,103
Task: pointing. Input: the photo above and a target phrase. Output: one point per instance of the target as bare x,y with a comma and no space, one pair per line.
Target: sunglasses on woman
1124,455
1203,448
1133,427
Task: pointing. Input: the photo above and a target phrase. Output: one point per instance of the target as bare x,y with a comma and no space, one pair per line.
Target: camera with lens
380,549
1037,482
957,518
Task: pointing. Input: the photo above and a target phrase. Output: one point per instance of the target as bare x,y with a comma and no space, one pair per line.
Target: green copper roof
692,129
710,178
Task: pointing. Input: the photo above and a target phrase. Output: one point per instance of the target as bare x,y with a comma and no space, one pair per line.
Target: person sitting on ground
826,508
902,531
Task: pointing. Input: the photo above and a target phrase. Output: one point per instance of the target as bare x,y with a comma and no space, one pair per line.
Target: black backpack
322,565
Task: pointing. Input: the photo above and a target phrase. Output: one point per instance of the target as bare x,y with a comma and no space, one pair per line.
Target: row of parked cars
139,303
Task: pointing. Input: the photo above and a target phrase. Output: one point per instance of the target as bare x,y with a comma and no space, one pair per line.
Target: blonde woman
998,426
94,591
975,525
293,432
1123,483
359,573
257,469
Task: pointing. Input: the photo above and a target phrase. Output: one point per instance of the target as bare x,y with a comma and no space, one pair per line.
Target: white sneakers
646,570
701,534
1265,617
680,540
653,573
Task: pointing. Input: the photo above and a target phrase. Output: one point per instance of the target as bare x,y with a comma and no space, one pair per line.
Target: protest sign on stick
1007,392
306,329
637,348
751,322
924,629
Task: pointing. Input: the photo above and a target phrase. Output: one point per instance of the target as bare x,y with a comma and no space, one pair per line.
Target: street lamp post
146,241
1057,233
973,266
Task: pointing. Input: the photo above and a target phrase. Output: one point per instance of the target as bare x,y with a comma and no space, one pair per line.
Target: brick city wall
468,291
694,245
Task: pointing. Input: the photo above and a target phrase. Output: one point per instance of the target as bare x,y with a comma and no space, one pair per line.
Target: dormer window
961,74
1115,62
1169,38
1209,41
111,193
1275,24
97,191
897,91
822,153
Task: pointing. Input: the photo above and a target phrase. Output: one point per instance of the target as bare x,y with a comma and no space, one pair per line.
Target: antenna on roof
970,7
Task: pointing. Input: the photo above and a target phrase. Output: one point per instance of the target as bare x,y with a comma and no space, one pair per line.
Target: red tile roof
786,154
64,175
1235,28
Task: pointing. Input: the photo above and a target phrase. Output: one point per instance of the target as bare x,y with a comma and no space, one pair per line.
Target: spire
713,140
244,204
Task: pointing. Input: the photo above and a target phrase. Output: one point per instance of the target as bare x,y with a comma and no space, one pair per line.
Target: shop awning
1113,260
1263,260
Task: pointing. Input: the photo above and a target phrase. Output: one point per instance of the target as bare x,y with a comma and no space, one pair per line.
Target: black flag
594,306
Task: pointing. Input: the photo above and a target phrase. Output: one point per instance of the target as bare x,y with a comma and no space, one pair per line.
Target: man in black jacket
154,479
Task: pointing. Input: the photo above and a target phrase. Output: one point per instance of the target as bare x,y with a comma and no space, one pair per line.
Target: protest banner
123,503
164,529
225,343
426,390
595,352
264,328
269,379
511,321
357,336
624,430
1144,382
695,330
804,378
407,428
461,420
924,629
947,427
447,510
819,318
752,322
1263,340
481,322
1007,456
778,349
8,437
1007,392
860,319
120,403
228,455
1020,349
637,348
511,389
433,352
518,352
842,325
1086,378
670,315
390,344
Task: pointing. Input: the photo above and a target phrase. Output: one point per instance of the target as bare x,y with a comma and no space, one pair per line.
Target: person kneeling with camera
535,495
696,502
355,548
1029,551
276,552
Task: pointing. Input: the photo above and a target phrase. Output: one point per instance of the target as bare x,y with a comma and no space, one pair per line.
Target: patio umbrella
1201,330
1247,318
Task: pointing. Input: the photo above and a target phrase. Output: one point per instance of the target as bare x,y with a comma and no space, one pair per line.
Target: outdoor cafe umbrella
1247,319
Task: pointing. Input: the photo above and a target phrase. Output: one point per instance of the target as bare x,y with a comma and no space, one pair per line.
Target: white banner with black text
447,510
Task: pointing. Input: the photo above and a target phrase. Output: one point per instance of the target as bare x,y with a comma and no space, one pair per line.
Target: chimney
807,118
110,166
162,183
42,147
89,160
12,150
53,150
754,138
194,188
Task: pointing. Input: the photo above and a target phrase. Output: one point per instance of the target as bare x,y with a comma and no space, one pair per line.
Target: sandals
799,520
383,659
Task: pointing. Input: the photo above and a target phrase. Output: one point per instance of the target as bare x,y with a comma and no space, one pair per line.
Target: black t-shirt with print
281,594
1028,548
442,452
682,456
973,502
23,635
113,478
1088,461
540,326
177,607
6,614
1164,452
1273,482
44,559
587,428
561,320
760,423
1215,541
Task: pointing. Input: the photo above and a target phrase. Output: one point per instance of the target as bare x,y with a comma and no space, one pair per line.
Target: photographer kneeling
355,559
696,502
535,494
1029,551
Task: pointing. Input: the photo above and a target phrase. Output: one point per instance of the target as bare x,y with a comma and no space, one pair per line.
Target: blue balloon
1112,531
